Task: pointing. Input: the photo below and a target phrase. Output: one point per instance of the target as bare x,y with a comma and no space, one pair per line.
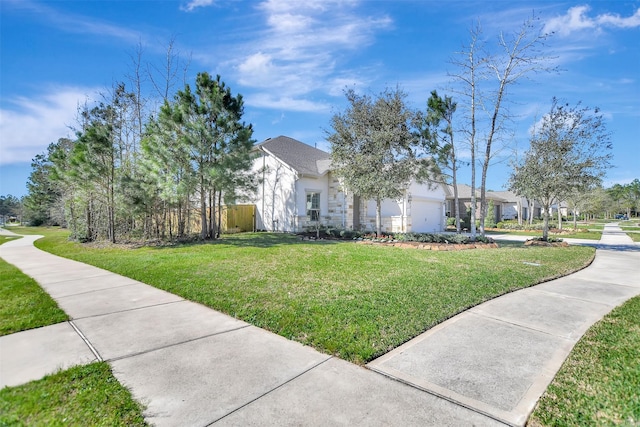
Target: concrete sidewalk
499,357
194,366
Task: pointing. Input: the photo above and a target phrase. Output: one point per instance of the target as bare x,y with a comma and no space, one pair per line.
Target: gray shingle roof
464,192
305,159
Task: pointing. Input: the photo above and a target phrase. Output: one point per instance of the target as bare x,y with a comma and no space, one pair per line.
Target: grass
599,382
634,236
589,235
25,305
354,301
86,395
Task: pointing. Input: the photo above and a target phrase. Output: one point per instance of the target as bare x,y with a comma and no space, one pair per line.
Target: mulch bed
543,243
433,246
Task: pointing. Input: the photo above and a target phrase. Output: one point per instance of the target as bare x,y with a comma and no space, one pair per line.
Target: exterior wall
421,210
339,205
303,186
281,203
275,207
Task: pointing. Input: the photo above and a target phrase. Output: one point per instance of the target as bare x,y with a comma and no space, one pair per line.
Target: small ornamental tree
570,151
374,146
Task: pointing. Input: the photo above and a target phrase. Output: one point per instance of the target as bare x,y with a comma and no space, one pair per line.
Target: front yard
354,301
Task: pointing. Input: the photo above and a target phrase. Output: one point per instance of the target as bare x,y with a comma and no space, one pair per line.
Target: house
298,191
506,203
512,204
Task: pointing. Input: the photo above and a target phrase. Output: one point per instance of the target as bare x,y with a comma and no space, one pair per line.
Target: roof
303,158
507,196
464,192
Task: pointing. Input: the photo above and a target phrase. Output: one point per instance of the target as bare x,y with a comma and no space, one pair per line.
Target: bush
490,219
484,239
500,225
451,221
431,238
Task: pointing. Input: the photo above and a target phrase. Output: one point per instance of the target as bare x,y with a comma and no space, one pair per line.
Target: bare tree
164,78
469,63
518,56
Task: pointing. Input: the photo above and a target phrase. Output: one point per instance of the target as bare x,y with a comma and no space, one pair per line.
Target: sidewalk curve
499,357
194,366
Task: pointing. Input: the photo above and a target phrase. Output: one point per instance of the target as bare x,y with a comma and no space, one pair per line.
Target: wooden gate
238,218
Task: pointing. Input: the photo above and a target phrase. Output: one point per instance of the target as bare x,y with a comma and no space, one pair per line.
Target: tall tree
207,125
517,56
44,204
439,140
374,146
470,64
9,206
570,151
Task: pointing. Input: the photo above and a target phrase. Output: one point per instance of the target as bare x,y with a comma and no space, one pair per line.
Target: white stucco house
298,191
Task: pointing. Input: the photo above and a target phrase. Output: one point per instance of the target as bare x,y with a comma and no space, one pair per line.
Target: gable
303,158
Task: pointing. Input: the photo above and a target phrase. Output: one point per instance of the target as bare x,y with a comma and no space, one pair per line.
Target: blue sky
291,61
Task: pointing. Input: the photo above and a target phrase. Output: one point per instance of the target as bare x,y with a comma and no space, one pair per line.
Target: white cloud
616,21
79,24
576,19
194,4
286,103
33,123
298,52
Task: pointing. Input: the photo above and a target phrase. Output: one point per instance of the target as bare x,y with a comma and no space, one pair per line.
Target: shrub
490,219
431,238
484,239
500,225
457,238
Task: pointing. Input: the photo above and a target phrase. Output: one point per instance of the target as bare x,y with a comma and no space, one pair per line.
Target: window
313,206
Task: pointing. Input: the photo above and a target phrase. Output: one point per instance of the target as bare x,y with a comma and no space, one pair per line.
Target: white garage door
426,216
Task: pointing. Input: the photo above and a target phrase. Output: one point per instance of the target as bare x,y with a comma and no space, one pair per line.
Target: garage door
426,216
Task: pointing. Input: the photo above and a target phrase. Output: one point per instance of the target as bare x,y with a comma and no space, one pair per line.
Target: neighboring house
506,203
298,192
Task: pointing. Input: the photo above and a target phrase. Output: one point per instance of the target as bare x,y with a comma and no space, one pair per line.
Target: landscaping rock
543,243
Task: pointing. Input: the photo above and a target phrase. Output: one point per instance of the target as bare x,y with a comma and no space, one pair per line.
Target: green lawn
589,235
354,301
599,383
81,396
25,305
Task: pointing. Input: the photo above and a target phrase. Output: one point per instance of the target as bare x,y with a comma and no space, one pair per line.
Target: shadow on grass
254,240
618,248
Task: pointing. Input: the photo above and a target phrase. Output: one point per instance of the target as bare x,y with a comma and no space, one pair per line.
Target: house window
313,206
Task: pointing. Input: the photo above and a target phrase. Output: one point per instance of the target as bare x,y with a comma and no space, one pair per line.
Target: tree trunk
545,227
203,210
378,217
559,218
455,200
219,222
212,214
